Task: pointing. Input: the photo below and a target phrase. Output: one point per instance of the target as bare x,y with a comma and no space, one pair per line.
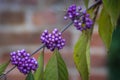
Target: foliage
114,55
30,76
3,67
38,75
113,9
86,3
56,68
105,28
82,55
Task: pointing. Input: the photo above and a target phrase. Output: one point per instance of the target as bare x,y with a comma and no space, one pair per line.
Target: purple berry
51,40
80,18
65,17
23,61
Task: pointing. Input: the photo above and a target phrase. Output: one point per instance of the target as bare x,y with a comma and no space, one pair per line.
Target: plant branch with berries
56,69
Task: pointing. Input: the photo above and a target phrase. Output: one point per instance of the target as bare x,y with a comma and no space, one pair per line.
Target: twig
95,5
1,76
94,18
42,46
64,28
10,70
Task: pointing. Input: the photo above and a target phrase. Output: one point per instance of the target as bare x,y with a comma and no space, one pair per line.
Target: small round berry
52,40
80,18
65,17
23,61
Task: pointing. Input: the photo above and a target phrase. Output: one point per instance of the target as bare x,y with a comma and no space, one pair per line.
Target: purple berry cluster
23,61
80,18
52,40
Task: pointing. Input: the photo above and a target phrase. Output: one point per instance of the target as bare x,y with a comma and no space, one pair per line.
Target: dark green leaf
56,68
82,55
114,55
113,9
86,3
38,75
3,67
105,28
30,76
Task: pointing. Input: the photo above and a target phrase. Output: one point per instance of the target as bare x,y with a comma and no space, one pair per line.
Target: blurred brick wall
22,28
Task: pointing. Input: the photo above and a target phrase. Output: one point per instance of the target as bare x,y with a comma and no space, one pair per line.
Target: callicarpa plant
82,20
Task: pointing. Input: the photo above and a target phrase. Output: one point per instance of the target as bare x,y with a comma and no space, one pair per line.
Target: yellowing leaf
105,28
82,55
86,3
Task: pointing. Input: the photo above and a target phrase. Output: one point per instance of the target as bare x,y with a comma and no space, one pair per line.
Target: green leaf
91,12
114,55
3,67
86,3
38,75
105,28
30,76
82,55
113,9
56,68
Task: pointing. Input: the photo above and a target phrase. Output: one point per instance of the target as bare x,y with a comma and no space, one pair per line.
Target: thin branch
95,5
96,12
10,70
62,30
41,46
1,76
94,18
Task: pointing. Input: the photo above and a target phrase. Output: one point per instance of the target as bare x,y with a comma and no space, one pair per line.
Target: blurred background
23,21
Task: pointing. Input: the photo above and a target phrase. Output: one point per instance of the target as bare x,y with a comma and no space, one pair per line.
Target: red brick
29,2
4,58
98,77
98,60
19,39
44,18
96,40
47,56
12,18
16,75
94,76
68,37
28,38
